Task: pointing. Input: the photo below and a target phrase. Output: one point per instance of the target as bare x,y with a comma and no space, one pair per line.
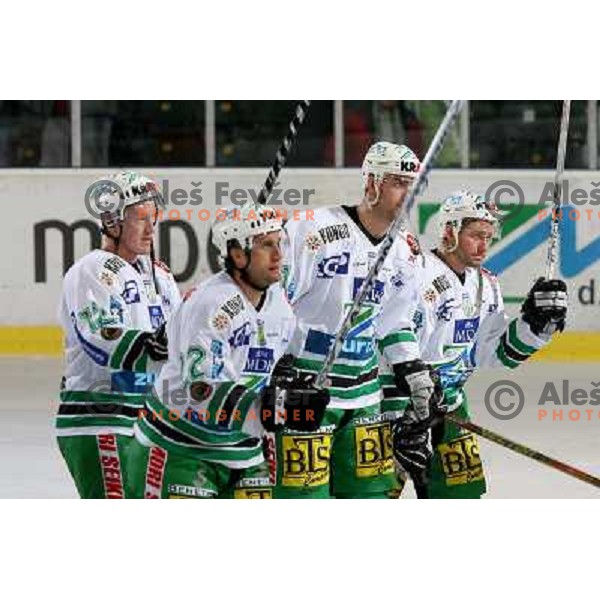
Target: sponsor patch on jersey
114,264
375,293
418,320
183,492
334,233
241,336
270,453
312,242
261,336
107,278
397,280
373,449
354,348
110,463
445,310
157,318
465,330
467,305
116,313
460,460
232,307
131,382
155,471
333,265
253,494
131,292
441,283
306,460
150,290
216,349
259,360
430,295
253,488
220,321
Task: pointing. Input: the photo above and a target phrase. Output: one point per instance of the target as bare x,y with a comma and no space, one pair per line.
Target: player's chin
144,248
273,275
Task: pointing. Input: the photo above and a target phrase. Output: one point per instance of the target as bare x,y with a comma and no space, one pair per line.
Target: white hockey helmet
464,204
108,197
385,158
243,224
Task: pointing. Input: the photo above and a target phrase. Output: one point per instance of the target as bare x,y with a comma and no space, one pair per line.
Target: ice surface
31,466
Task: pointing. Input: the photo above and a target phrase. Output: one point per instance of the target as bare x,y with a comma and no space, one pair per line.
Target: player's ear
370,191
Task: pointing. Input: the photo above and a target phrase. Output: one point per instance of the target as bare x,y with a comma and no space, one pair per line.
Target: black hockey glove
417,380
291,400
412,433
156,343
545,308
412,448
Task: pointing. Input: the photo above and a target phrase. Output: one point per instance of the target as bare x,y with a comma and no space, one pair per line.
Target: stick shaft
388,241
526,451
560,167
283,151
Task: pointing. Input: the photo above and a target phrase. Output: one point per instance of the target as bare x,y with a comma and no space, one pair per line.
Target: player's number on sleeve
191,362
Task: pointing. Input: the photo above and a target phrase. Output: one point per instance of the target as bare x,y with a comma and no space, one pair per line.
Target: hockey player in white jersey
114,305
462,326
327,259
202,434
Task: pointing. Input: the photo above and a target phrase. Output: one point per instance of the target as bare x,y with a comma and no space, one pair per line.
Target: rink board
49,228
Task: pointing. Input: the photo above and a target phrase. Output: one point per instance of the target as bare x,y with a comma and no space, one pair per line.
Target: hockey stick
390,237
525,451
560,167
283,151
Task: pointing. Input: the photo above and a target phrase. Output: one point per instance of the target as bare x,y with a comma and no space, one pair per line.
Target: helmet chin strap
246,277
444,246
116,239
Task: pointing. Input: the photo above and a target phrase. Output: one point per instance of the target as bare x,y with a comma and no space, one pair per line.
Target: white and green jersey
222,351
462,324
107,310
327,257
